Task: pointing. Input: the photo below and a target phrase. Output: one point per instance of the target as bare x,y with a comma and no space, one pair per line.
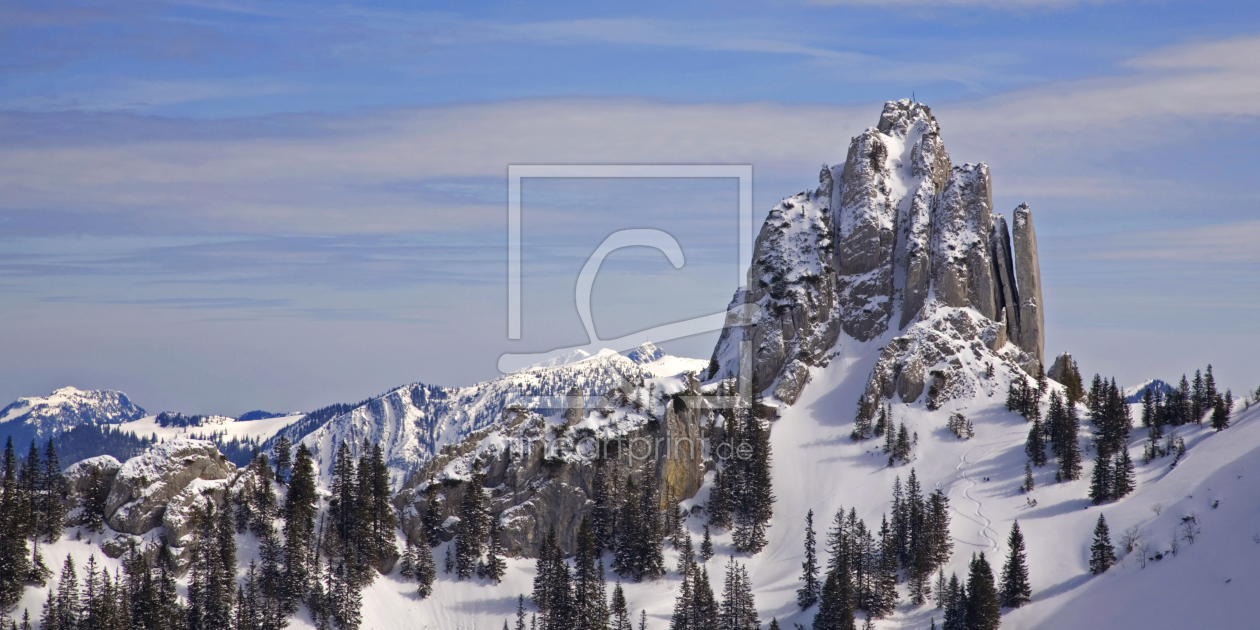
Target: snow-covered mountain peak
899,116
40,417
646,353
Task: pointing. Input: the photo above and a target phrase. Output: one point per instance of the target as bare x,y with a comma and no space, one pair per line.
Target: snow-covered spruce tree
496,564
1220,414
1015,589
835,605
473,529
284,458
620,614
983,608
884,575
1101,554
738,609
807,595
590,601
1035,446
299,511
706,545
425,568
1123,479
603,510
684,617
14,528
861,428
52,502
754,500
956,605
719,505
1100,489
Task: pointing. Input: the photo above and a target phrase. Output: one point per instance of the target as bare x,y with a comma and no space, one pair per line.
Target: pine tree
602,512
426,570
1101,553
13,532
807,595
620,615
983,612
955,605
1123,479
1035,446
684,617
719,505
884,597
590,601
1220,414
706,545
1029,482
835,605
284,458
1015,589
473,529
53,495
738,610
1198,401
542,573
496,565
1100,483
861,428
520,612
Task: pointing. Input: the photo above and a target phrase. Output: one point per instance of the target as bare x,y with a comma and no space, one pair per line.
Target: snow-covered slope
412,423
41,417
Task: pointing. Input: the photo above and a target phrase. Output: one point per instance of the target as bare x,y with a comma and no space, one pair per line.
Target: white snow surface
817,467
227,428
412,423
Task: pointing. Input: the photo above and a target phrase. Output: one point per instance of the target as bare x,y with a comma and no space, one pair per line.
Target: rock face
906,232
1032,325
146,484
543,484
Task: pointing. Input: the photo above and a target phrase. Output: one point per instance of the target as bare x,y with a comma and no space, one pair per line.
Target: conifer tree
603,509
496,565
1220,414
426,569
13,532
1123,479
1100,483
983,608
738,610
807,595
620,614
26,506
1029,482
706,545
284,458
719,505
955,605
835,605
590,602
299,511
473,529
1101,553
1035,446
53,496
520,612
1015,589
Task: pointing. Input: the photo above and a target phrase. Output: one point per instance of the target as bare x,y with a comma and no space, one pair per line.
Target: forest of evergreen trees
325,569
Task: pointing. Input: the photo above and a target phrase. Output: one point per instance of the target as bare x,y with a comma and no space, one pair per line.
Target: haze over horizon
217,207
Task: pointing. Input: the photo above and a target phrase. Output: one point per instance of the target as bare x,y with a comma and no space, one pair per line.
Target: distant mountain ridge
42,417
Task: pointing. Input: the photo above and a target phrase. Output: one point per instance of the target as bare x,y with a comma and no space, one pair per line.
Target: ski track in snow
979,518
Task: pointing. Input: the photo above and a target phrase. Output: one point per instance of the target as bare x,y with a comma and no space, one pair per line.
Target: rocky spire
895,228
1032,336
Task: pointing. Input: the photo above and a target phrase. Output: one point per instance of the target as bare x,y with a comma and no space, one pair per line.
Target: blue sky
221,206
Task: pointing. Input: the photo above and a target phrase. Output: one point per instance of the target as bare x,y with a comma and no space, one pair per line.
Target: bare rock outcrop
146,484
909,233
1032,325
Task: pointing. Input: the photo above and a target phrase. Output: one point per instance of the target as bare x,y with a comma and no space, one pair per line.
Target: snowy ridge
412,423
41,417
